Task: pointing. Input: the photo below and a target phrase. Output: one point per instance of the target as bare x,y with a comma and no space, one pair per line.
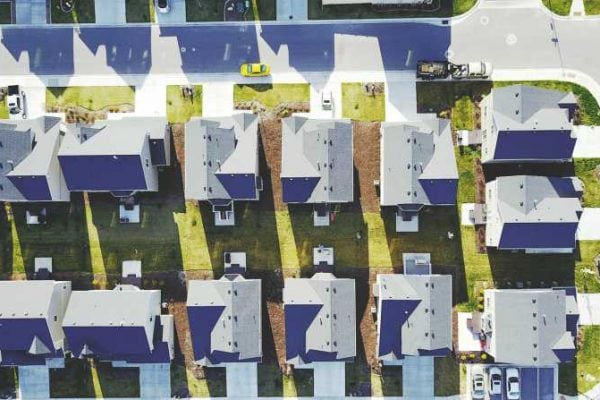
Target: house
530,327
29,167
527,124
414,316
117,156
533,213
123,326
320,328
221,163
226,329
418,168
31,336
316,164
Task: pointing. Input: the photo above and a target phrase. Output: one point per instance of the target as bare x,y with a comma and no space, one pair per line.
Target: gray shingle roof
334,327
319,148
219,145
17,154
523,108
525,198
526,325
411,151
429,327
240,322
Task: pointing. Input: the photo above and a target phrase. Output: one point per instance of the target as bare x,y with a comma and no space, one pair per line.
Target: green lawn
588,170
592,7
588,251
361,106
139,10
5,13
560,7
447,376
463,114
3,109
8,382
466,172
84,12
589,111
439,8
180,109
212,10
271,96
184,381
93,98
588,359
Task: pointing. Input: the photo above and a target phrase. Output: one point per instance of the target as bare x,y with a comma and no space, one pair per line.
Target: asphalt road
518,38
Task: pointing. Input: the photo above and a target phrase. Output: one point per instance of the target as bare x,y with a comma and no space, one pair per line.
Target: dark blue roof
538,235
298,190
239,186
103,172
393,315
16,337
535,145
11,358
564,187
298,318
440,191
565,355
158,154
202,321
33,188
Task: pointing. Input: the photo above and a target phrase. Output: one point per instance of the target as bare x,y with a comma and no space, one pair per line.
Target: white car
494,381
477,384
163,6
513,387
326,100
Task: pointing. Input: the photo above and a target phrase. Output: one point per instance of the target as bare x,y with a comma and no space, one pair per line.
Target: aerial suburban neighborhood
328,199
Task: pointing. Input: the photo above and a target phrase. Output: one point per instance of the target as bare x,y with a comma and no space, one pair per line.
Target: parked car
494,381
15,100
163,6
513,387
255,69
477,384
326,100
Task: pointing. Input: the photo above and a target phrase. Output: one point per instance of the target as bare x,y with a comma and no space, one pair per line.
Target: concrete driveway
31,12
329,379
292,10
115,14
242,380
155,381
217,99
418,378
588,141
176,14
589,308
34,382
589,228
400,101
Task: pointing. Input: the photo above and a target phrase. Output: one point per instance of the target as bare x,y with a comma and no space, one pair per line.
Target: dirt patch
82,115
479,182
282,110
480,239
366,163
270,136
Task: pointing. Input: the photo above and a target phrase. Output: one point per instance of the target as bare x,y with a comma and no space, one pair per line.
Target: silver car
477,384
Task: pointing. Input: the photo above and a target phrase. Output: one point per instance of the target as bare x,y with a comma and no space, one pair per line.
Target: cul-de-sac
303,199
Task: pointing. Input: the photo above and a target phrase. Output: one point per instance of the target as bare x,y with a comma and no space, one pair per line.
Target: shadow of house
492,171
6,242
50,51
128,49
214,48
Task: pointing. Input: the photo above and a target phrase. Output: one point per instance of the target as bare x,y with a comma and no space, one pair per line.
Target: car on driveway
326,100
494,381
477,384
163,6
255,69
513,387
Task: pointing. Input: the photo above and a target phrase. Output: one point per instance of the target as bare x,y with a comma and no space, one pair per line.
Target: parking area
534,383
175,15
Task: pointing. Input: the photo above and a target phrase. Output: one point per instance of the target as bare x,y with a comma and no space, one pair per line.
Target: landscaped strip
560,7
588,170
83,12
592,7
363,101
91,98
270,96
183,102
139,10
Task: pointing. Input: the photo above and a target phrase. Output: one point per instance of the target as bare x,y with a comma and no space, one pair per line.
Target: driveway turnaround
588,142
589,308
329,379
242,380
31,12
589,228
34,382
155,381
110,15
176,14
417,378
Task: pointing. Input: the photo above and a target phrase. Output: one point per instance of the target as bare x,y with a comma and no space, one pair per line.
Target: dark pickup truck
433,69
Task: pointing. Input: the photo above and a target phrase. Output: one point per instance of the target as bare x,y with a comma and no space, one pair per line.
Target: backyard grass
361,106
271,96
560,7
465,160
3,109
588,251
8,382
212,10
439,8
588,359
93,98
183,382
463,114
84,12
5,13
139,10
447,376
592,7
588,170
180,108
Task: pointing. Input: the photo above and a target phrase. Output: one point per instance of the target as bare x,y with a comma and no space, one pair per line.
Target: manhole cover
484,20
511,39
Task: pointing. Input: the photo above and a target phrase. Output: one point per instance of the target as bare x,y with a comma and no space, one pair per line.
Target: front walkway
113,14
401,101
31,12
589,308
34,382
577,9
418,378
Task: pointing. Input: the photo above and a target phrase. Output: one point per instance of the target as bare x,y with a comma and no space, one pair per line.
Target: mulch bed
479,182
366,164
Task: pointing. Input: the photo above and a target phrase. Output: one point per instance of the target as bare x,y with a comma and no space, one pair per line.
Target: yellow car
255,69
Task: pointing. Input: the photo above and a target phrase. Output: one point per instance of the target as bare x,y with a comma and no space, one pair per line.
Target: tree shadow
304,382
6,242
391,380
